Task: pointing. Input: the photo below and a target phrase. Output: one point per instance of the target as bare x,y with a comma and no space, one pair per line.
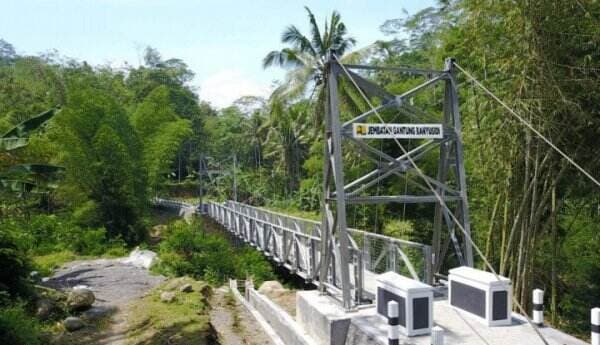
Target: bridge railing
295,247
168,203
295,243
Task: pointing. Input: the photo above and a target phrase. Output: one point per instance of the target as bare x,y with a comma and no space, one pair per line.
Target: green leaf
40,169
24,128
8,144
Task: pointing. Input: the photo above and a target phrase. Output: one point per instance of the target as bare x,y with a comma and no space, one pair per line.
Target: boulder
167,297
35,277
206,291
98,312
270,286
80,299
186,288
141,258
72,323
44,308
174,284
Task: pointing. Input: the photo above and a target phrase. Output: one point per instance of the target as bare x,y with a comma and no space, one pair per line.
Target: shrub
186,251
47,234
17,328
15,266
45,264
250,262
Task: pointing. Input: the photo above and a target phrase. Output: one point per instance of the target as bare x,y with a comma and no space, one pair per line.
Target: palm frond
317,42
284,58
292,35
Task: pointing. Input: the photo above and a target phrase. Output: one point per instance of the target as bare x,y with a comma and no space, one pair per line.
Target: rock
73,323
97,313
206,291
44,308
174,283
141,258
186,288
35,276
167,297
81,298
270,286
157,230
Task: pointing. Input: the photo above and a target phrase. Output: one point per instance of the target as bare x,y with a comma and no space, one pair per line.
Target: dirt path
115,285
233,323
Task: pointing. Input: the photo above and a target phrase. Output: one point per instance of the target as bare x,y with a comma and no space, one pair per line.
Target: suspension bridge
344,262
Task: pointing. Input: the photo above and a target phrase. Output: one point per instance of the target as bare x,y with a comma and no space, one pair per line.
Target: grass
231,305
183,321
46,264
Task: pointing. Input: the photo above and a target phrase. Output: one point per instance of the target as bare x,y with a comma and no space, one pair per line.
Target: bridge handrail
375,253
270,223
352,230
370,242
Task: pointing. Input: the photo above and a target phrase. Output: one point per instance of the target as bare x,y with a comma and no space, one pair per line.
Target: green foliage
52,241
15,266
251,263
44,234
45,264
161,131
402,229
18,328
186,250
307,54
98,142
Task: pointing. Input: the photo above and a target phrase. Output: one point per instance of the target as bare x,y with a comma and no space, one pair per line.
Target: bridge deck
462,328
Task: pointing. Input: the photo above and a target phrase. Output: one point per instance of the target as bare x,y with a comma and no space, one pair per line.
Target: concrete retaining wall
283,324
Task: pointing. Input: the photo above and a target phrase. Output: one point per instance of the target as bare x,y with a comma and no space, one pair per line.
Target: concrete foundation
324,319
283,324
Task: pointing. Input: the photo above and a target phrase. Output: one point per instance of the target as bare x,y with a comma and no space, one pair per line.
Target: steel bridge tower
341,264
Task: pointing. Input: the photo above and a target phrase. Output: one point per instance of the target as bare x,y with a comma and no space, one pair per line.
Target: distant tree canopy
117,135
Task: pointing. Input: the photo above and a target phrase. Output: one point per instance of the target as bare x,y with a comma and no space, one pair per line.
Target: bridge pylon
435,130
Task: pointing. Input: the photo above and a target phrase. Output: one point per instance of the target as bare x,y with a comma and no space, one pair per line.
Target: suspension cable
529,125
440,200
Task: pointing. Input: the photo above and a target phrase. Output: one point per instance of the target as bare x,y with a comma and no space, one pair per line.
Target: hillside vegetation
85,148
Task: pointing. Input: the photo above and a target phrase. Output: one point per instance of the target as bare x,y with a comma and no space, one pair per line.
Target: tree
162,133
539,57
103,157
287,140
7,52
307,55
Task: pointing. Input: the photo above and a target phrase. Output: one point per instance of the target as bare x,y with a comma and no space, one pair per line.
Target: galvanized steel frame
337,194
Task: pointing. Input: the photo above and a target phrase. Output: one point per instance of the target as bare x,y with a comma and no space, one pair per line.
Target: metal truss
449,182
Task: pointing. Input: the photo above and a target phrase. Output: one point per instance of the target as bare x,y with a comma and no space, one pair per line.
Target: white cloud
224,87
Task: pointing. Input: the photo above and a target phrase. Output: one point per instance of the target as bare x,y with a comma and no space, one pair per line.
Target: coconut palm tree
287,139
306,56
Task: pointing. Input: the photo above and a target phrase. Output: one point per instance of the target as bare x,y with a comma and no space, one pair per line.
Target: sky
223,42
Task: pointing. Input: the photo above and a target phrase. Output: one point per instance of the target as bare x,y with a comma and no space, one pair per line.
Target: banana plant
27,177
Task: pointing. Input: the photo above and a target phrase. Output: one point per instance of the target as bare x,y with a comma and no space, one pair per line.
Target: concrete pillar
596,326
437,336
538,307
393,323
